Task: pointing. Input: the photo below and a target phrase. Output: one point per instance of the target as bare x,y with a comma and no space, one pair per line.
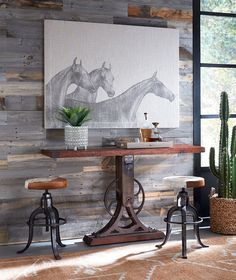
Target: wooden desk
113,232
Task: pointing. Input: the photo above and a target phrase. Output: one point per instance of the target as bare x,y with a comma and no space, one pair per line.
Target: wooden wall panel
51,4
22,132
21,88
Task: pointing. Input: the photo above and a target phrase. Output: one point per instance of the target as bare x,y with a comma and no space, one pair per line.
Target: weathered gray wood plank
24,103
21,88
97,7
140,21
20,45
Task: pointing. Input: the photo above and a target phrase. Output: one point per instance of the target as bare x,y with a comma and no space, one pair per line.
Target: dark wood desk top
114,151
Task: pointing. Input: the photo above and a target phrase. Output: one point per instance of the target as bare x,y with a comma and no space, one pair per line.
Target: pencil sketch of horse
56,89
86,83
101,77
123,108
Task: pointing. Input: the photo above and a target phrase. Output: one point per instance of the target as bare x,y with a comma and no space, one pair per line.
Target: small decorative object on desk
145,145
76,135
155,136
109,141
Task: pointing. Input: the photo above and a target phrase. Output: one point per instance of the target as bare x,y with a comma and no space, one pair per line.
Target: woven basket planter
76,137
223,215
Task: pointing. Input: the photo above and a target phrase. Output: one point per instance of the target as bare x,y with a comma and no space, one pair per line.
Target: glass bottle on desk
145,131
155,133
146,123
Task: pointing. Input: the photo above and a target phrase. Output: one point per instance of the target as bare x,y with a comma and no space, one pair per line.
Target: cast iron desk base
113,232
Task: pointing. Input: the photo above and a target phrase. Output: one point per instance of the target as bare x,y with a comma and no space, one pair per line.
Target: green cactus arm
213,167
233,176
224,179
233,142
223,139
227,175
224,106
233,164
224,116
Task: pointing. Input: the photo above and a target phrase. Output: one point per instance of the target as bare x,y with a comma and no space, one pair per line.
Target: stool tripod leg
52,216
184,241
58,237
31,228
168,226
193,210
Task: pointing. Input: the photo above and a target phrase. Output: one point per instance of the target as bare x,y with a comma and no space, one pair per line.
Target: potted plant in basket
76,135
223,206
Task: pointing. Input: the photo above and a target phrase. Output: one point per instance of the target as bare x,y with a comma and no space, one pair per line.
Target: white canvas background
134,53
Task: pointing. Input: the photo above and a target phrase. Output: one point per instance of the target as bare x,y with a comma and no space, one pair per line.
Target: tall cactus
226,169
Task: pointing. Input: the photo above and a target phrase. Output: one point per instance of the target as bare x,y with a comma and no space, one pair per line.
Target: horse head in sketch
101,77
56,89
123,108
159,89
80,77
104,79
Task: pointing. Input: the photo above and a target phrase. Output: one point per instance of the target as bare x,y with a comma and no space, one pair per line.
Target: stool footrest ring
186,223
61,222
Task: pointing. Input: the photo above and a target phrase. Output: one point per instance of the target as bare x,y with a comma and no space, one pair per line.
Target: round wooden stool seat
184,181
46,183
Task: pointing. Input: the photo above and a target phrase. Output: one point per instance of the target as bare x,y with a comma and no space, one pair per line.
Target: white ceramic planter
76,137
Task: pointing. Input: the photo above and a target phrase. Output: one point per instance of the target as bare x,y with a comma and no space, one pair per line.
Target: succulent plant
74,116
226,169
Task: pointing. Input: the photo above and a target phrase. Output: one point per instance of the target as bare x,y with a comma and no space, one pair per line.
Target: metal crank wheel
110,200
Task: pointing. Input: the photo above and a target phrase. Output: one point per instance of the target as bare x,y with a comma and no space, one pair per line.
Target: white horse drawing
123,108
101,77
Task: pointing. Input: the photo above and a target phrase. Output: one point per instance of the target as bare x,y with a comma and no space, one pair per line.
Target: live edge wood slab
133,230
114,151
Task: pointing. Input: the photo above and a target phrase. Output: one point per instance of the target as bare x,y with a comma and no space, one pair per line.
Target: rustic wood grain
140,21
23,103
139,11
163,13
96,152
53,4
171,14
24,75
21,88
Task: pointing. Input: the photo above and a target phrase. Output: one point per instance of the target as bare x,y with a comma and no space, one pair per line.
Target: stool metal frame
51,220
186,210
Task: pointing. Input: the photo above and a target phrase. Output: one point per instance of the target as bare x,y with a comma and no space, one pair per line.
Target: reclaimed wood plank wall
22,133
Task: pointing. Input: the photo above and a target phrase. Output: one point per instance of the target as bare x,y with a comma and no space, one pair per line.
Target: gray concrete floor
44,248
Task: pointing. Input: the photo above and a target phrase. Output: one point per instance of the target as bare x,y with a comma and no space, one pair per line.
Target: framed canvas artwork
119,71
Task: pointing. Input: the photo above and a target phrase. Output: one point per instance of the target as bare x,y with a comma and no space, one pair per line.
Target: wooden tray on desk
143,145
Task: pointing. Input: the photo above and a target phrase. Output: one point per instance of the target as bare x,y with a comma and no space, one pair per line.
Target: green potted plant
76,134
223,205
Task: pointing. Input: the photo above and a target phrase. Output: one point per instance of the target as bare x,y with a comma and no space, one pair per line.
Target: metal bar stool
184,208
50,214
